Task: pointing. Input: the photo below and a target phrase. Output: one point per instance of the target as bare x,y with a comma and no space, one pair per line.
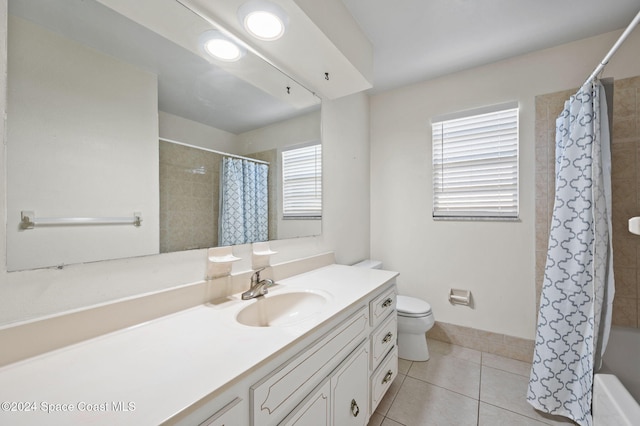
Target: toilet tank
370,264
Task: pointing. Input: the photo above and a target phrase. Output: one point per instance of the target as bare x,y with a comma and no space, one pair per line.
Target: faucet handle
255,278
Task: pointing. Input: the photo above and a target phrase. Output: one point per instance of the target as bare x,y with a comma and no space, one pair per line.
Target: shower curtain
575,304
244,202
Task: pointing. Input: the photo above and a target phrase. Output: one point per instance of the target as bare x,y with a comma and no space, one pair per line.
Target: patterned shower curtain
244,202
577,293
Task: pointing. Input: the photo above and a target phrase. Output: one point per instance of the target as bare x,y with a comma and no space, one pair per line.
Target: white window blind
302,182
475,165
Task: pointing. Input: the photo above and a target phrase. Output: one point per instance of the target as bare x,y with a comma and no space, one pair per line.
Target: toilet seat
412,307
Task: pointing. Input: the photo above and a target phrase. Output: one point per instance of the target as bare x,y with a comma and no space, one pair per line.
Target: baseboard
485,341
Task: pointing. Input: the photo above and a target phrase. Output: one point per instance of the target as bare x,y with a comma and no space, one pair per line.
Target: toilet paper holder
460,297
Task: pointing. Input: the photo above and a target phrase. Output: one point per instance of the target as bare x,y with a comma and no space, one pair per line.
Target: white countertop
159,368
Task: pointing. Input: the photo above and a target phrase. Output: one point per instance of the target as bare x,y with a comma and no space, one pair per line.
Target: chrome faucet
258,287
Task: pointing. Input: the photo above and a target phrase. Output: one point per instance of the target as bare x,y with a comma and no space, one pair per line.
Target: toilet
414,320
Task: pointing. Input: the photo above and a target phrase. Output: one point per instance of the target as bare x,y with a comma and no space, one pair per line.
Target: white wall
62,143
301,129
495,260
304,128
191,132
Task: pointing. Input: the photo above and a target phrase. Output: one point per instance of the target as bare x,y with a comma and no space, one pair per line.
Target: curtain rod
615,47
226,154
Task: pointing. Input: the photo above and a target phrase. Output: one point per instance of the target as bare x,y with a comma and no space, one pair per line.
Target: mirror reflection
116,107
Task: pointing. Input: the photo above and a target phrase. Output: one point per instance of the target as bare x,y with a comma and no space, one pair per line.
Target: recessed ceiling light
221,47
263,20
264,25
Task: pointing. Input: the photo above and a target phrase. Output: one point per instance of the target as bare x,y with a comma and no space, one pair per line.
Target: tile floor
460,386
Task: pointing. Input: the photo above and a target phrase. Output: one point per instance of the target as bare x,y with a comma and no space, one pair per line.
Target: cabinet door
313,410
349,390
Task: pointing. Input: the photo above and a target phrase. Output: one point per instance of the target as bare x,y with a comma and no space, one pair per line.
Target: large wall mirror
115,109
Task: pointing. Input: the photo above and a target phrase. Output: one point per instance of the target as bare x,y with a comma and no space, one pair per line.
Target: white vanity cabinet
334,380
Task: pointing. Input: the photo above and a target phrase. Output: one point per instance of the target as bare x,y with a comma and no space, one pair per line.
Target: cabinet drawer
226,416
382,378
383,339
277,394
382,305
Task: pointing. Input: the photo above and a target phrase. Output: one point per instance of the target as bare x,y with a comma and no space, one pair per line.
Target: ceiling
417,40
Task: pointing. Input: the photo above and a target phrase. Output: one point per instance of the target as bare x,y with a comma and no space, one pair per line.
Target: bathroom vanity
320,345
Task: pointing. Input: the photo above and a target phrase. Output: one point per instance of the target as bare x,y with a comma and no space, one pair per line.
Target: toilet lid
411,306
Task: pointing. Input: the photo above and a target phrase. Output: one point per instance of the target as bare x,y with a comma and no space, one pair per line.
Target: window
302,182
475,164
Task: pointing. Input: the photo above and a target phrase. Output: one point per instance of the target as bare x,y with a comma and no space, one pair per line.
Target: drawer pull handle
387,302
387,338
387,377
355,410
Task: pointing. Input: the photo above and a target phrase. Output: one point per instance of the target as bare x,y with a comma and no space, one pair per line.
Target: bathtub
616,386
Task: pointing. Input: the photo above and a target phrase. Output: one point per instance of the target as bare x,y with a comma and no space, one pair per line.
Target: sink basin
283,309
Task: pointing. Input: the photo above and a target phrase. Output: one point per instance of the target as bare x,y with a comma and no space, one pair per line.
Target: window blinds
302,182
475,166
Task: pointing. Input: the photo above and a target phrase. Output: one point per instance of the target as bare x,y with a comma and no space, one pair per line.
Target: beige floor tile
449,372
509,391
389,422
443,348
404,365
420,403
388,398
494,416
445,391
376,420
506,364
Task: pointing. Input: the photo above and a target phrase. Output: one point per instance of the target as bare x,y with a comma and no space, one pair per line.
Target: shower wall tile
631,82
625,196
625,252
625,312
542,241
623,157
624,129
189,192
624,102
542,104
625,188
626,282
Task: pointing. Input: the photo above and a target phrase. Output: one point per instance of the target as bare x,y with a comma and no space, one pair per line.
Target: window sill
475,219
